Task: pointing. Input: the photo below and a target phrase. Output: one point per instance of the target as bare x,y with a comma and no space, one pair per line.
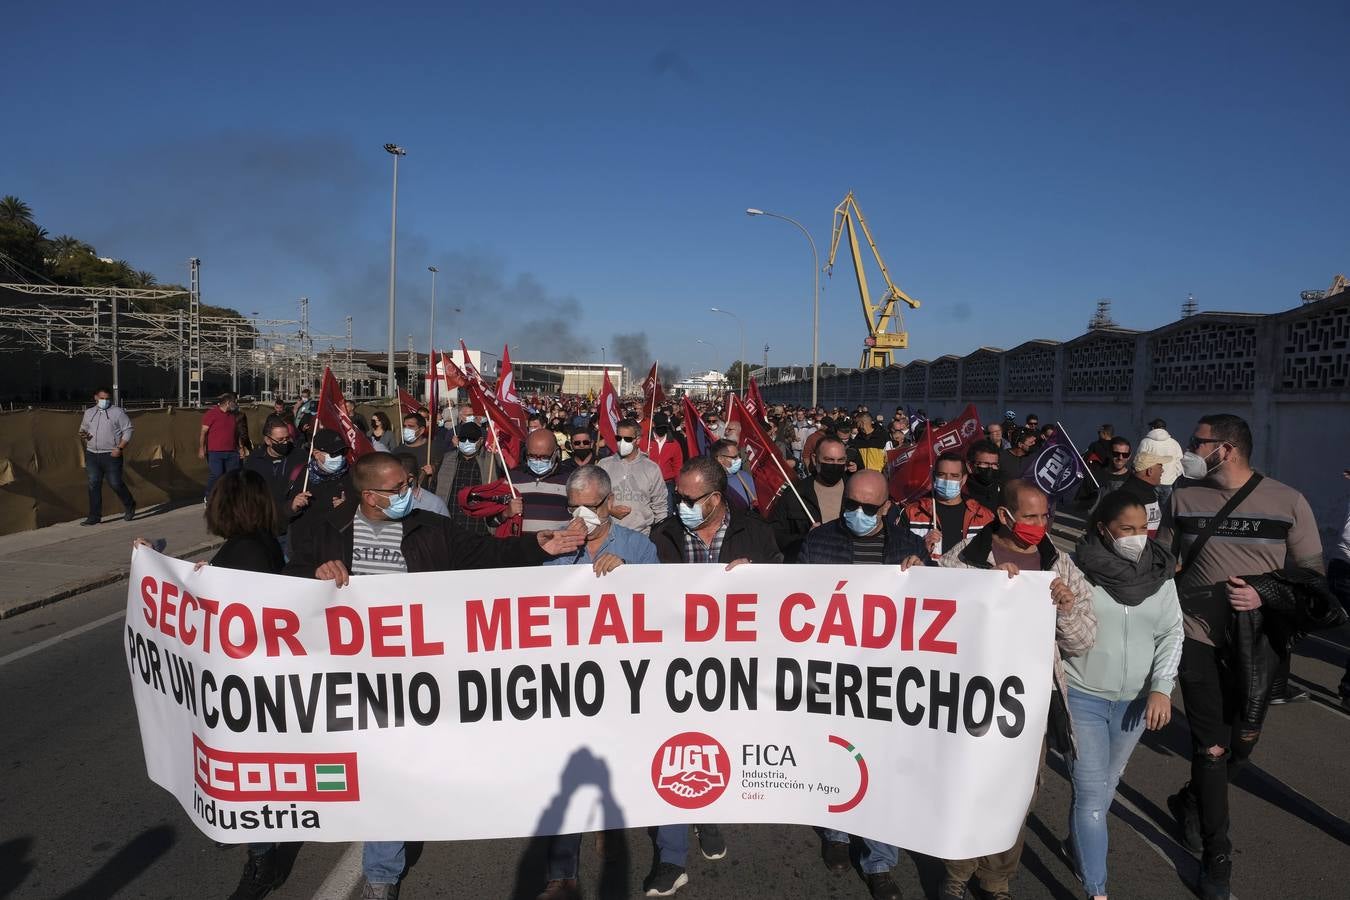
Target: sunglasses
870,508
681,498
581,445
1121,455
1196,443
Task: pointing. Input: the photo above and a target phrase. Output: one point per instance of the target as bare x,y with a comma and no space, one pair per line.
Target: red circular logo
691,770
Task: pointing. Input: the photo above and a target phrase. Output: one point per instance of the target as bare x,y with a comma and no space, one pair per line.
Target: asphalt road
79,818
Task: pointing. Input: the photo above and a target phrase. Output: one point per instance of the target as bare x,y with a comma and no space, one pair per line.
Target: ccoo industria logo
691,770
245,777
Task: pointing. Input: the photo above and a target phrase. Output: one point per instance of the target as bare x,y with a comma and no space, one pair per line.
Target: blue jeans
382,862
877,857
1105,732
98,466
564,853
218,463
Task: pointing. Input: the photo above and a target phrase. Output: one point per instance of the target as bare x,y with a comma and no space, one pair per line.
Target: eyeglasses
394,490
1121,455
870,508
681,498
1196,442
582,445
573,507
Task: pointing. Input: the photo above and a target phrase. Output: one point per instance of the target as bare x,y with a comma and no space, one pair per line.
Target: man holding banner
382,535
1018,542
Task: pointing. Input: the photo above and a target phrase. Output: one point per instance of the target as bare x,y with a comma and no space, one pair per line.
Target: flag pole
318,424
793,487
506,470
1086,468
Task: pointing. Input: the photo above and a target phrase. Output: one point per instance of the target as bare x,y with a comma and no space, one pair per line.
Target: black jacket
251,553
748,537
431,543
791,521
833,543
278,474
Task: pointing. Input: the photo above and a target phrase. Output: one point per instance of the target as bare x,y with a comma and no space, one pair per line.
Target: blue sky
580,171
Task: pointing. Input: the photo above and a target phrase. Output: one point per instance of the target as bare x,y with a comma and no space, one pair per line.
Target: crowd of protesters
1193,569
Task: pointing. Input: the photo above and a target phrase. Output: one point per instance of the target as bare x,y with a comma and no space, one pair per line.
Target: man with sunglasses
1117,469
1270,529
383,533
863,535
705,529
640,496
608,545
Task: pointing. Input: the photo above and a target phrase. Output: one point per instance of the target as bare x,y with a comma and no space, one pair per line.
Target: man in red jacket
667,453
946,517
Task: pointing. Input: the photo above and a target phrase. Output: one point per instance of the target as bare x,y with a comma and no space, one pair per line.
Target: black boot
261,875
1215,873
1187,814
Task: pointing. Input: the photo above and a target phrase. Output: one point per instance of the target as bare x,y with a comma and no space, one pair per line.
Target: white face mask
1130,547
626,447
1196,467
588,515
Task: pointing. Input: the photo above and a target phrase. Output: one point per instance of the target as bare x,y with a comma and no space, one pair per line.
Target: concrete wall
1287,374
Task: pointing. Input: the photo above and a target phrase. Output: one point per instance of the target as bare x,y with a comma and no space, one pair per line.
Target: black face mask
830,474
984,477
661,430
582,454
283,448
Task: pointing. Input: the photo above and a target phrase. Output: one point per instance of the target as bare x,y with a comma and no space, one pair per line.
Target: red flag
454,378
652,397
503,434
607,414
471,372
697,438
506,390
754,403
407,402
333,416
766,463
911,468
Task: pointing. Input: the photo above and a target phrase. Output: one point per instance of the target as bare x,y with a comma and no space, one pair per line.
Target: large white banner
906,707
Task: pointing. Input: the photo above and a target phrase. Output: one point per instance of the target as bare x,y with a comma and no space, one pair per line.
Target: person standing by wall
106,430
218,443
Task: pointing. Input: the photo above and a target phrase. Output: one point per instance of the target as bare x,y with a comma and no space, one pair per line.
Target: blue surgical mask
468,448
409,435
735,466
399,504
859,522
691,514
540,466
947,488
104,403
334,464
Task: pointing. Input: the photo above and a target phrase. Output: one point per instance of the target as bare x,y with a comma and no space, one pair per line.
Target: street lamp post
396,151
741,326
815,271
431,341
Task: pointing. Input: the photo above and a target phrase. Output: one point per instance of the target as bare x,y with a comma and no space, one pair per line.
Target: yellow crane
885,328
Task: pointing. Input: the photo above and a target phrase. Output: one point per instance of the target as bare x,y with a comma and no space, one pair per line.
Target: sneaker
90,521
1290,694
837,858
1187,819
259,878
666,880
952,888
130,513
882,886
561,889
378,891
710,842
1214,876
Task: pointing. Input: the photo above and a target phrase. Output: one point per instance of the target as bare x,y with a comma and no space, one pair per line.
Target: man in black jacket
278,460
705,529
383,533
822,495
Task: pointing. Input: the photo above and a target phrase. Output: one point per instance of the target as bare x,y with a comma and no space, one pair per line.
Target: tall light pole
741,326
431,341
815,271
395,151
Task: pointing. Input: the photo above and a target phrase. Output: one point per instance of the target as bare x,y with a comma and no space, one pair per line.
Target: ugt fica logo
690,770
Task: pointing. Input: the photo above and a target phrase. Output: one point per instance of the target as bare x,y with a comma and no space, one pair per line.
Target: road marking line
344,877
65,636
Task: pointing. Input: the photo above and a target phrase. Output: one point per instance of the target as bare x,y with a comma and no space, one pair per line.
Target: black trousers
1209,686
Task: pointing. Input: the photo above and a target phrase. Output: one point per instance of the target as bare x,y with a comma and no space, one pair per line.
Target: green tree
14,210
734,372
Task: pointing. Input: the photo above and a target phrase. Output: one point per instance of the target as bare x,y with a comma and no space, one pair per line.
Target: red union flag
471,373
454,378
333,417
652,397
754,403
407,402
246,777
607,418
504,435
766,463
506,389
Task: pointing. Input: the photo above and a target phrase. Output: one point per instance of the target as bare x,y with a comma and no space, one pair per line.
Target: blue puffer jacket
832,543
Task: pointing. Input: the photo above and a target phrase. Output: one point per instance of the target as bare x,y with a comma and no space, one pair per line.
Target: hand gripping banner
906,707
